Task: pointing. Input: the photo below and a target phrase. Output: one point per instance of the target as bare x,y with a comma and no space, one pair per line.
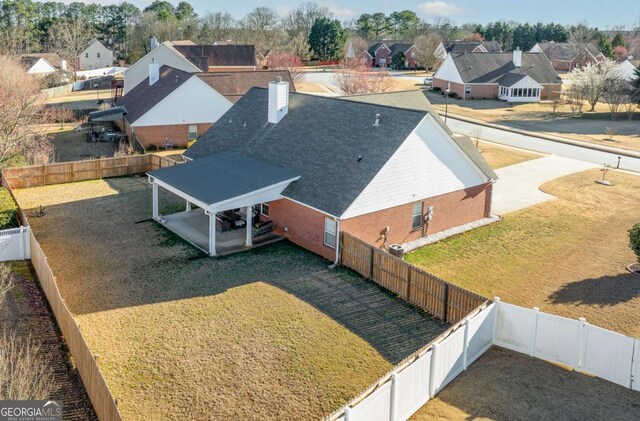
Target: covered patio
220,193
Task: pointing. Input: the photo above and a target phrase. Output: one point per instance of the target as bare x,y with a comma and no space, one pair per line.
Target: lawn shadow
603,291
108,255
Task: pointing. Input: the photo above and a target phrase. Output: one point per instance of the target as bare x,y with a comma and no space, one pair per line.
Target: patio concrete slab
518,186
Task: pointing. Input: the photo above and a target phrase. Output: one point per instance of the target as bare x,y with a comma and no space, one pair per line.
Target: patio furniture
263,228
222,226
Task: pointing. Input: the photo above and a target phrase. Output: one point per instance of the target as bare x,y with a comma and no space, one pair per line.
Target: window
330,232
467,89
193,131
417,216
98,55
382,61
86,55
413,54
264,209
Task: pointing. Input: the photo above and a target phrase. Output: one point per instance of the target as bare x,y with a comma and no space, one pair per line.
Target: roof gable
144,97
333,144
491,67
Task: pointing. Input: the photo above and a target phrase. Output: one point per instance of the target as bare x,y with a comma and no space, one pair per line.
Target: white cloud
341,12
282,10
439,8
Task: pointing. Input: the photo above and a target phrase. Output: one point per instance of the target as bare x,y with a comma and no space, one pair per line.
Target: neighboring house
188,57
628,68
448,47
513,77
316,166
564,57
172,106
95,56
42,63
380,53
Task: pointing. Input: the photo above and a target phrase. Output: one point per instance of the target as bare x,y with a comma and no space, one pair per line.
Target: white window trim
334,233
262,205
413,215
195,131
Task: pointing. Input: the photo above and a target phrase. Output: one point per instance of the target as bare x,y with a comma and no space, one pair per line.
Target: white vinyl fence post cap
496,298
536,309
582,319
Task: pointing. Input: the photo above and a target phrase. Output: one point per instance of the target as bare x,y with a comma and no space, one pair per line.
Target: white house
95,56
42,63
628,68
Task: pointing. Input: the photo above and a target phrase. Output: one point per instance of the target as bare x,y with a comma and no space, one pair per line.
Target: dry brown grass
502,156
84,95
566,256
264,334
70,145
506,385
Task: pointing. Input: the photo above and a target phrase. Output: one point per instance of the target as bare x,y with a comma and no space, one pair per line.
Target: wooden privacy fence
96,386
437,297
68,172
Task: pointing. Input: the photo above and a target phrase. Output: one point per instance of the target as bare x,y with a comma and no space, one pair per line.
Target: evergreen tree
327,38
618,39
604,45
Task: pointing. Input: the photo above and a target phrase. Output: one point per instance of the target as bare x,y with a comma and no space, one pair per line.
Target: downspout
337,261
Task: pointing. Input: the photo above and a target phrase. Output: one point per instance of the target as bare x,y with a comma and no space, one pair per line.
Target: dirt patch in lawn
506,385
27,315
264,334
501,156
567,256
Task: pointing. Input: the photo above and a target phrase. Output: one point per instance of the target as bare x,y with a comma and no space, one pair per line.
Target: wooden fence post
409,270
373,253
44,175
445,301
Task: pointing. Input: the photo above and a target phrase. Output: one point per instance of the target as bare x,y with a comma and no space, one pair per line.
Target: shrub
8,210
634,239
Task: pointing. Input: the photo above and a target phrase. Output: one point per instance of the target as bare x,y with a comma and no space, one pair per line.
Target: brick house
512,77
447,47
172,107
192,58
380,53
564,57
311,167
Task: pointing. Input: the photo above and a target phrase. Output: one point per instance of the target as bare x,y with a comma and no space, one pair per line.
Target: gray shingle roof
223,176
469,46
393,45
235,84
490,67
511,78
417,100
320,138
30,59
564,50
205,56
143,97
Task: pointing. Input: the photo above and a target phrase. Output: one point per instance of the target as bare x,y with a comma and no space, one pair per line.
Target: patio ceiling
227,180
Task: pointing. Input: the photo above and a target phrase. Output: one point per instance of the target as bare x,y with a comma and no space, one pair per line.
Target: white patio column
188,209
212,234
249,242
155,200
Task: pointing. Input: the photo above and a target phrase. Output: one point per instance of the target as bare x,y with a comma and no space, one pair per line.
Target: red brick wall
382,53
450,210
551,91
483,92
305,226
458,88
159,135
411,61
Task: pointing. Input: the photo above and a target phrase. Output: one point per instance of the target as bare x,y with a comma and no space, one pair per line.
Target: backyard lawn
70,145
270,333
567,256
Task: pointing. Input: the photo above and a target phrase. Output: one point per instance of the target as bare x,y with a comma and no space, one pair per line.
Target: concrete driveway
518,185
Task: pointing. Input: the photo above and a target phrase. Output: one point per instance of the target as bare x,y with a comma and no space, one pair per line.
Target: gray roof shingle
223,176
205,56
490,67
320,138
235,84
564,50
143,97
469,46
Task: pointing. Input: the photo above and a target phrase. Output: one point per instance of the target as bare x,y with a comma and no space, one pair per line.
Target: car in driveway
428,81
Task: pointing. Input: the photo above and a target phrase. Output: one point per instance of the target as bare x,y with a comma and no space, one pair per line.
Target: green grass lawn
269,333
567,256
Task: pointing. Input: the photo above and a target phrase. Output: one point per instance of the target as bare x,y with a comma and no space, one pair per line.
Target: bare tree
299,46
591,79
300,20
580,36
22,115
279,60
216,27
426,46
356,78
616,91
70,38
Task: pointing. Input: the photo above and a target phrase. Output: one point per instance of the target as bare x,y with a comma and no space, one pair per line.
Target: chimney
154,43
154,72
278,100
63,65
517,57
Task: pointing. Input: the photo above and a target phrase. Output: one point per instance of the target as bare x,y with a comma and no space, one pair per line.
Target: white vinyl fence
573,343
14,244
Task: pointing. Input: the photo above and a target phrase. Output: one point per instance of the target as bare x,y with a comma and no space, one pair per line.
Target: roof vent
230,120
377,122
359,158
177,77
244,124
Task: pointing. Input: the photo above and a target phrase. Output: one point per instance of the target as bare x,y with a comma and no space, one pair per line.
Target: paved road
542,145
518,185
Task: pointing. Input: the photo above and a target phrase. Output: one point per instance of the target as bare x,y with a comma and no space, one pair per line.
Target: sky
602,14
